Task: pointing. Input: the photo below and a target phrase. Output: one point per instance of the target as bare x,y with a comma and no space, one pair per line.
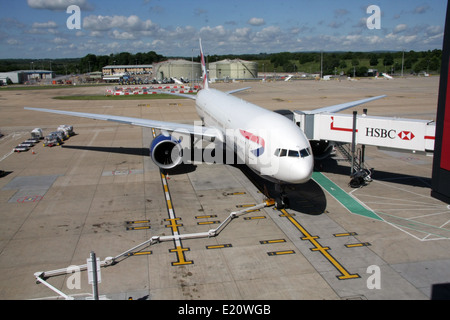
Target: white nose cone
301,171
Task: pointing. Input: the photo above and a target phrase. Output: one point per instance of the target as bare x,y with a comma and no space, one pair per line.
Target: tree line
350,63
88,63
358,63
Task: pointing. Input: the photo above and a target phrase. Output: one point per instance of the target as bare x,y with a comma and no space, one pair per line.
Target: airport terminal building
114,73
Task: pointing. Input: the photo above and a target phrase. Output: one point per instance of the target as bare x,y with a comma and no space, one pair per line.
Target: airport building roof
129,66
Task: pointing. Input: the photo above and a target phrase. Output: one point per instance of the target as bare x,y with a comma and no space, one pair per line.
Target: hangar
177,68
233,69
22,76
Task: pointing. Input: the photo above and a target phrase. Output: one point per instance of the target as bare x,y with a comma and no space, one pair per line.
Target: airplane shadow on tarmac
120,150
180,169
308,198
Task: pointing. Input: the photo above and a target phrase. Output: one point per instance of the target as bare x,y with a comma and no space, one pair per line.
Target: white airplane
269,143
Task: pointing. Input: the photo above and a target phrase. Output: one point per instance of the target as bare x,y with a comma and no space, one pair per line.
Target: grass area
128,97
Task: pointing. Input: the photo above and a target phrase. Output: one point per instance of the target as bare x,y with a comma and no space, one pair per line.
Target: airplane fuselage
268,143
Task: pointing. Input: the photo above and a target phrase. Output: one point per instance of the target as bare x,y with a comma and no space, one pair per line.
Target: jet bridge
340,130
384,132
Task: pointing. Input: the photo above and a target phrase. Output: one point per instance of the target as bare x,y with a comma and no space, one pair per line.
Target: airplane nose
301,172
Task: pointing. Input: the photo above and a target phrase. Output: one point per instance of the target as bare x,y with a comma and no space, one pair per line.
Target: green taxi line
350,203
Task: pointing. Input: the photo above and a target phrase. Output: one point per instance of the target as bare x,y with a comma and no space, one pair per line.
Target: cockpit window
293,153
277,152
305,152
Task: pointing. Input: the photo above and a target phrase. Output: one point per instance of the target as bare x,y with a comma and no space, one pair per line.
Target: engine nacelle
166,152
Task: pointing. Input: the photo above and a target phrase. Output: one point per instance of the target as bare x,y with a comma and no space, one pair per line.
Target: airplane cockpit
303,153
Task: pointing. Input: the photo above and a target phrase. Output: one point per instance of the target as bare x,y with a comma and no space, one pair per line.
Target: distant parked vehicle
37,134
67,130
52,140
21,148
27,143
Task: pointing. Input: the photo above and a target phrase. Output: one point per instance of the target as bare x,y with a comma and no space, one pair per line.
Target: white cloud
13,41
400,28
122,35
106,23
421,9
44,28
96,34
268,34
45,25
213,32
407,39
58,5
59,41
434,30
256,21
351,40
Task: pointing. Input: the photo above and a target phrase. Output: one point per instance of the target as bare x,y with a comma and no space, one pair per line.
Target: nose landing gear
282,200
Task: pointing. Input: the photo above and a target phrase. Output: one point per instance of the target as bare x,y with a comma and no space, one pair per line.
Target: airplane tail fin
204,71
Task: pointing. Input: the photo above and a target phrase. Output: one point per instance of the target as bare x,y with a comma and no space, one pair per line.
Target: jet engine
166,152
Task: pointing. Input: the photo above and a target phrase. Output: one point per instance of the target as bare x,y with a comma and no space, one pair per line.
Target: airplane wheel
278,203
281,202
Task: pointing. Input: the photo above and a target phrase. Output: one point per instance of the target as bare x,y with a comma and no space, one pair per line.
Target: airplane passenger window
283,153
293,153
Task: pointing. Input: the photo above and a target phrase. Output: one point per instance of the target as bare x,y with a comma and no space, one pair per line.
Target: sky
45,29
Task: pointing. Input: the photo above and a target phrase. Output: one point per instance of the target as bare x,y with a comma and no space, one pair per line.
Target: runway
101,192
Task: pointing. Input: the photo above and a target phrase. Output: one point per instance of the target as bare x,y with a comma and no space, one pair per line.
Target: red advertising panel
445,147
440,180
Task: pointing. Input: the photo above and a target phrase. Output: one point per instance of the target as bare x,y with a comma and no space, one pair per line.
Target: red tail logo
204,71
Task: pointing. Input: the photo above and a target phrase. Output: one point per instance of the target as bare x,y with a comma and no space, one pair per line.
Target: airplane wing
193,97
162,125
343,106
183,95
237,90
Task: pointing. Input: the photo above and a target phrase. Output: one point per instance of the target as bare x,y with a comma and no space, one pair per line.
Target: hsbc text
380,133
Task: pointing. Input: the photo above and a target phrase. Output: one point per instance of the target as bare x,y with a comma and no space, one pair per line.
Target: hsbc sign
406,135
380,133
388,134
384,132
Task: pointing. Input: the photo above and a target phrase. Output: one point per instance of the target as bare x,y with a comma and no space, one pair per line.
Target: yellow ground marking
318,247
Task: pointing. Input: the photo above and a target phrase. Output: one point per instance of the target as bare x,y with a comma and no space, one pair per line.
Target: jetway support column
352,171
363,147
